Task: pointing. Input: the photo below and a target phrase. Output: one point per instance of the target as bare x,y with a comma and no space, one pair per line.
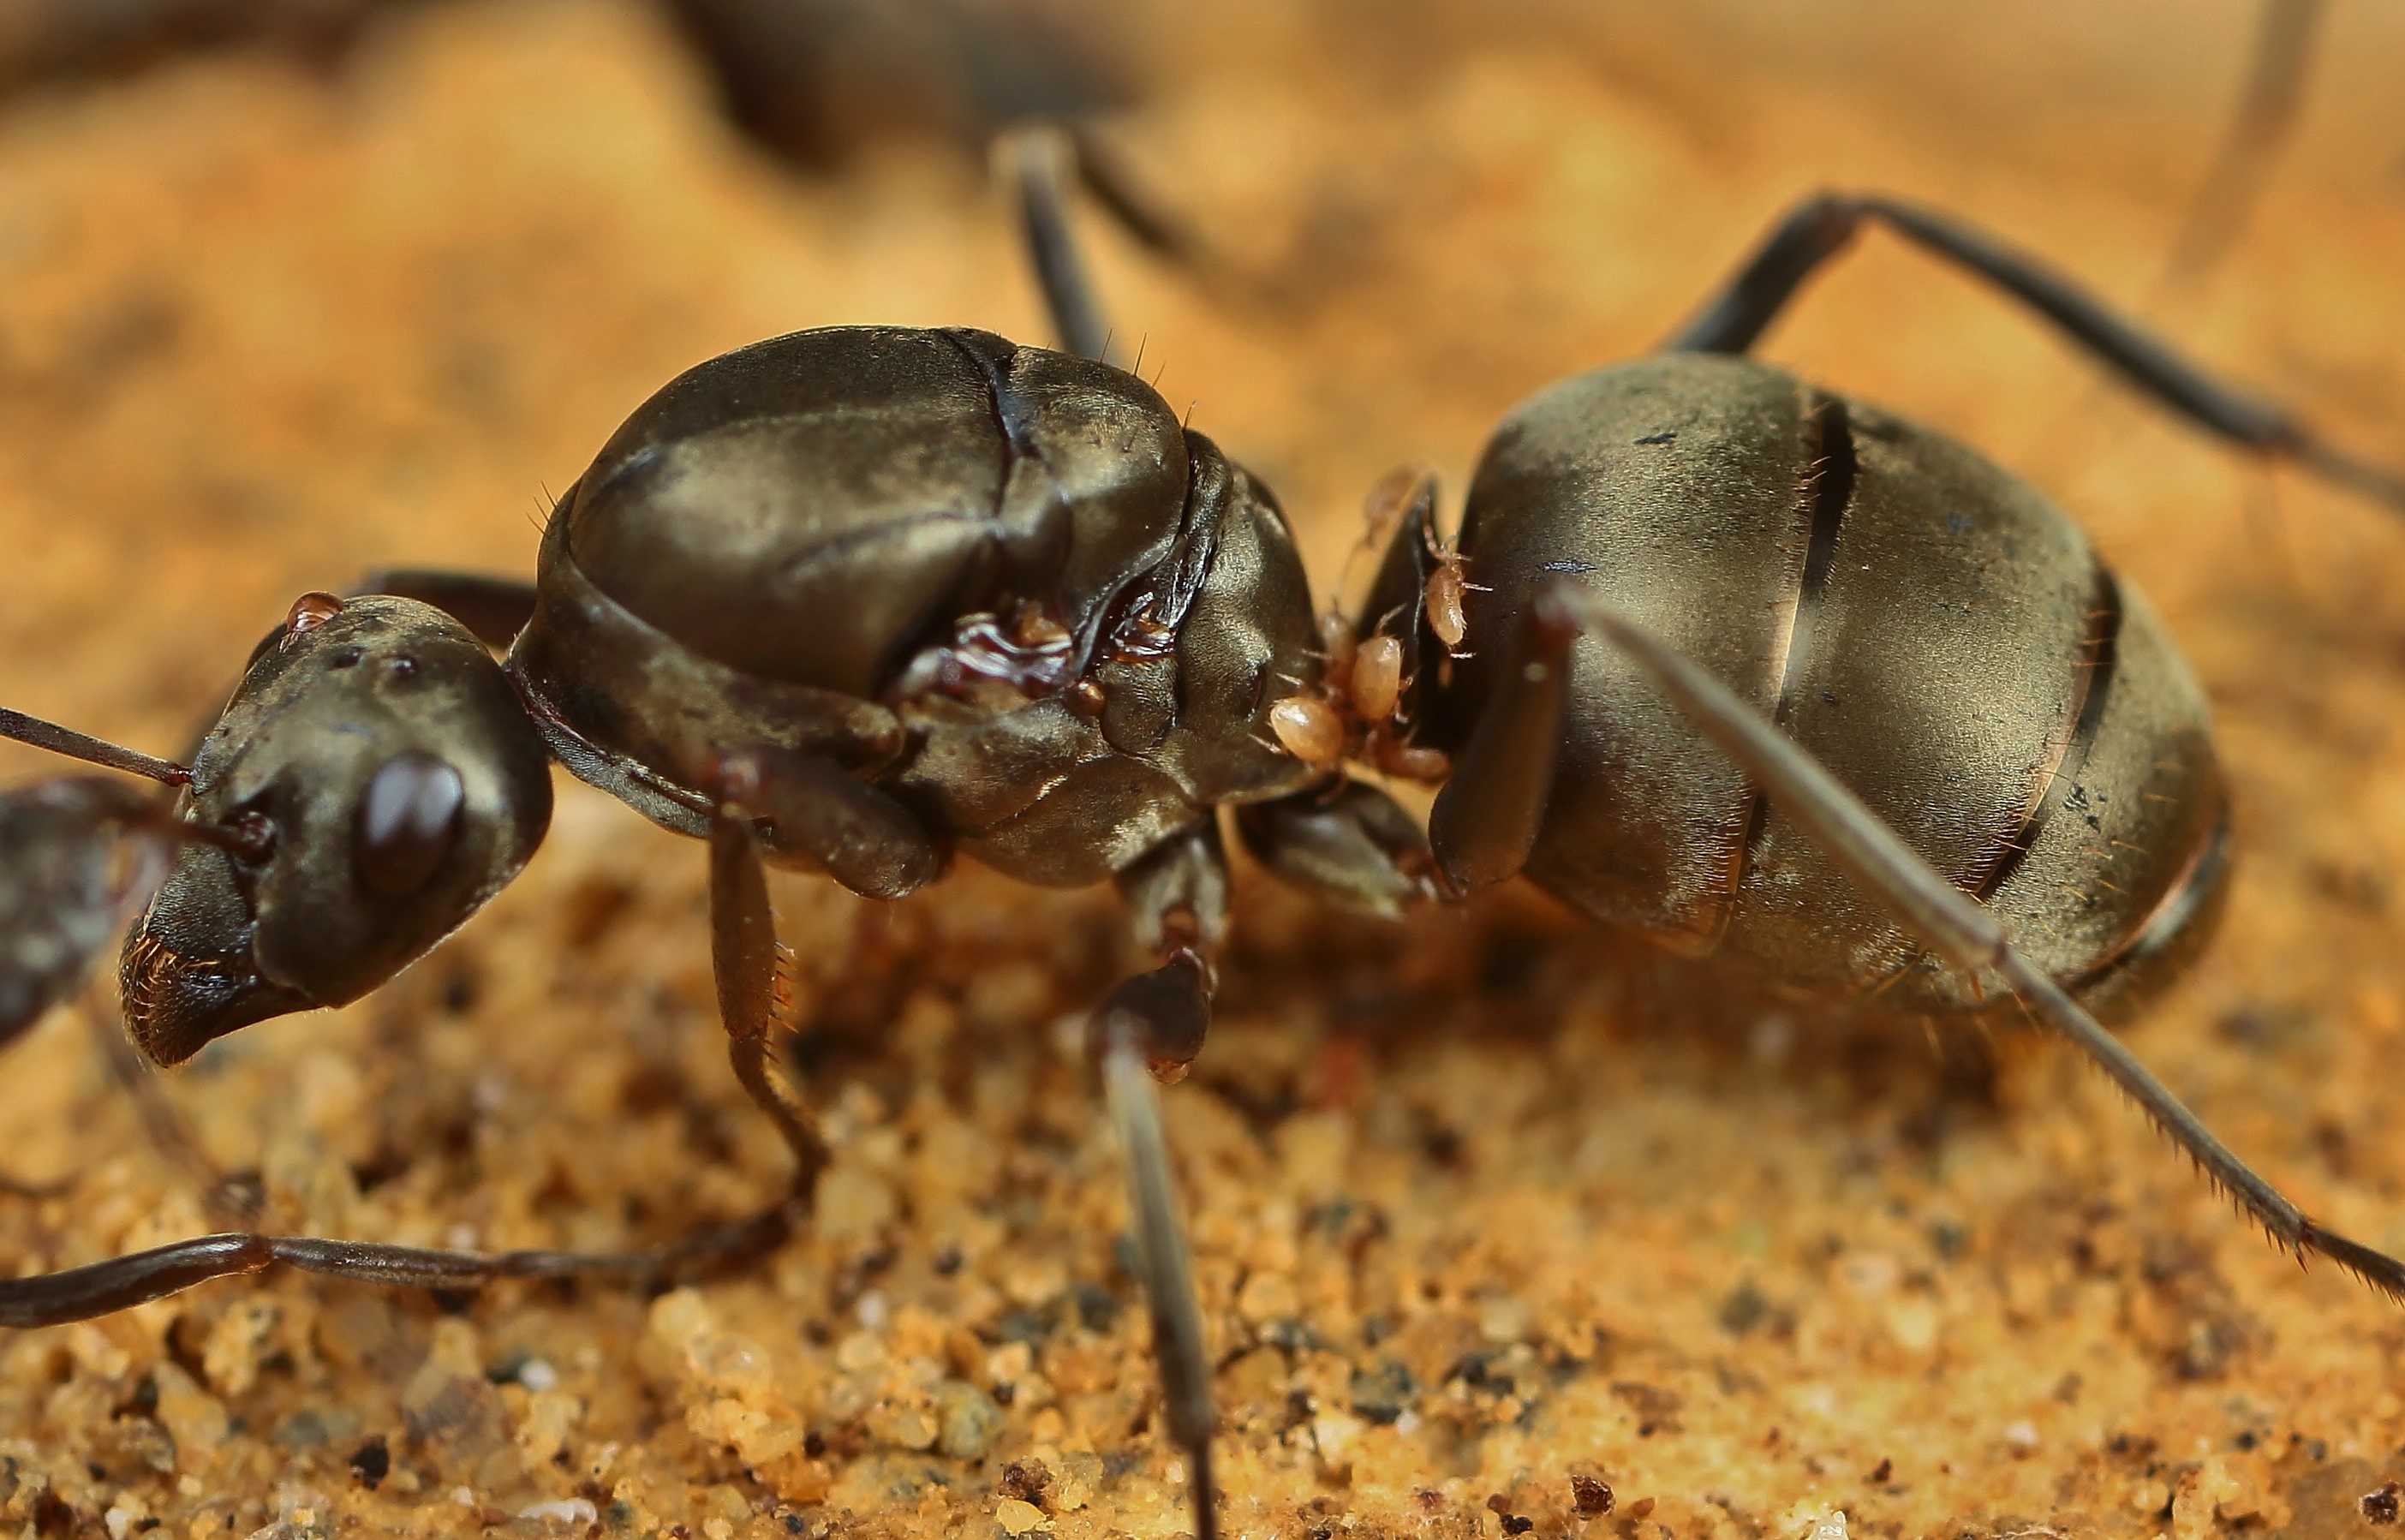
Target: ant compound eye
408,821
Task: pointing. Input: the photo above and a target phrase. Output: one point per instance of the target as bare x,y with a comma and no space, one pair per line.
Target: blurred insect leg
2267,115
496,609
233,1201
1815,231
1107,180
1353,847
1486,818
1034,162
12,1187
744,957
1888,870
1178,1348
863,839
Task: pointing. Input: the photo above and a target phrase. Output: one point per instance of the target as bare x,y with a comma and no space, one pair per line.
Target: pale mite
1377,685
1309,728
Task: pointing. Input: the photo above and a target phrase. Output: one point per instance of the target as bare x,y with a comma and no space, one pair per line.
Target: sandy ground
1480,1205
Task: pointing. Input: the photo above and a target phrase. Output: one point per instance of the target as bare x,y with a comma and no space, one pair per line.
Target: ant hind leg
1820,228
1949,920
1148,1030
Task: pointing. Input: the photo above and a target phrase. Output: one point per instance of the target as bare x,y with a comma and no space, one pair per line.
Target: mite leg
495,607
1034,162
1884,867
1814,232
1397,592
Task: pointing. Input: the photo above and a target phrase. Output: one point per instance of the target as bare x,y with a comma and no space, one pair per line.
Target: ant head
379,780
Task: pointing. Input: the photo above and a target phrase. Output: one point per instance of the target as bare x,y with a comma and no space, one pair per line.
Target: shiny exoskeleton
1923,624
866,600
1000,588
921,591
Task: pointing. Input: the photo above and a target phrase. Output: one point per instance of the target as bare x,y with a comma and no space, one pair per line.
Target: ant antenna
91,751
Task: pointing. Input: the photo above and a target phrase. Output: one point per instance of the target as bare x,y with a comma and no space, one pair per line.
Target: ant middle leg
1148,1030
1820,228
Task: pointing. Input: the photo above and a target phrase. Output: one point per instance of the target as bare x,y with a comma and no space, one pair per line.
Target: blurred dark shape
59,904
2265,120
814,80
82,39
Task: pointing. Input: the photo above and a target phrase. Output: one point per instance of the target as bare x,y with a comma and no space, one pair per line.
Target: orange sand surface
1479,1204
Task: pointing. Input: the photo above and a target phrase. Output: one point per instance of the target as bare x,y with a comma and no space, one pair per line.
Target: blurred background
294,289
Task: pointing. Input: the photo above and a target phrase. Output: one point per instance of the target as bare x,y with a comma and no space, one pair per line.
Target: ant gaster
864,600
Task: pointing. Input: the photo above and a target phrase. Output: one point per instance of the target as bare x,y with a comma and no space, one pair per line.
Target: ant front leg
1815,231
818,815
743,959
856,834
